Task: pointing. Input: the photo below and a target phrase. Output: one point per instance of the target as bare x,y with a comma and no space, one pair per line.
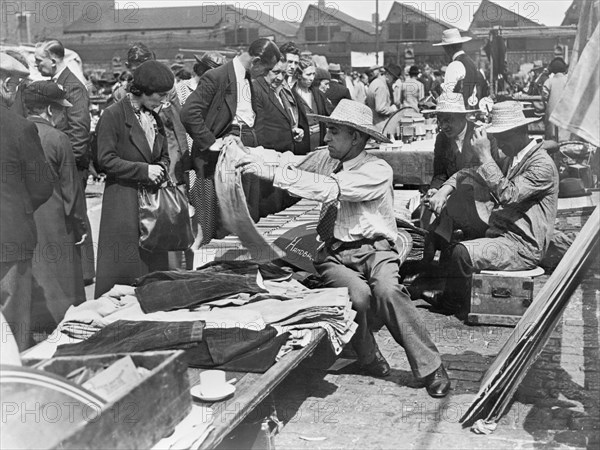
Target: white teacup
210,379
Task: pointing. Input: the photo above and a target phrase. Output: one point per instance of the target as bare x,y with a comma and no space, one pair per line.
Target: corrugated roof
421,13
176,18
363,25
279,26
523,21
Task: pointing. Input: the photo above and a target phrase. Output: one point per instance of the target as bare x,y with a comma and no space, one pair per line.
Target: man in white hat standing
524,190
358,231
462,75
26,185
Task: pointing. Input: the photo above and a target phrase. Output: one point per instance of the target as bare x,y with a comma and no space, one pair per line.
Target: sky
458,13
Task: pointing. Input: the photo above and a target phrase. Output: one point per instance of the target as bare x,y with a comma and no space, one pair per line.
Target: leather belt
341,245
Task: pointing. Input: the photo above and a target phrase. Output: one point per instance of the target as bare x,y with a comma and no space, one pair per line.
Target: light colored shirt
460,139
364,188
412,91
57,74
454,73
380,101
519,156
244,112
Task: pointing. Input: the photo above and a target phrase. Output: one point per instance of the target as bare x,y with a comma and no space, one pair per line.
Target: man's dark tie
328,217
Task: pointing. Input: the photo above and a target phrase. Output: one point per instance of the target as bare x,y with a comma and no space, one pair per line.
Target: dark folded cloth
237,349
221,345
166,291
257,360
269,271
124,336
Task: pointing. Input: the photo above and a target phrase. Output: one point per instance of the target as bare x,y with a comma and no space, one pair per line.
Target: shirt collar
240,70
457,54
519,156
57,74
356,161
461,137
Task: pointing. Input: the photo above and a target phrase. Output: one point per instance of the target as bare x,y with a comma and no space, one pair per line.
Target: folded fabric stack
328,308
230,315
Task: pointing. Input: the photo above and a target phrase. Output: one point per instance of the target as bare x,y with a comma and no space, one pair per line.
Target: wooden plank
251,389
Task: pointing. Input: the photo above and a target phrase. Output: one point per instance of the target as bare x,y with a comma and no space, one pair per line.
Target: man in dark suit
26,184
50,61
222,104
279,127
453,151
337,88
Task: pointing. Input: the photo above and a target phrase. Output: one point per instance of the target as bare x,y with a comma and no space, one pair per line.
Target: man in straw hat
26,185
453,151
524,190
462,74
358,231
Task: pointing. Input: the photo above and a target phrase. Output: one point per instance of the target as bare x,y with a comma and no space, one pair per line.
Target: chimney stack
321,4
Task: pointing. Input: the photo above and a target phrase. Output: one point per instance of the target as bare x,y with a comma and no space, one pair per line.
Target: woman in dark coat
132,150
313,101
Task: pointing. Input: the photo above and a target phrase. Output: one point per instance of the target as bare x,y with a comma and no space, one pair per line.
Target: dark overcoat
26,183
124,155
57,271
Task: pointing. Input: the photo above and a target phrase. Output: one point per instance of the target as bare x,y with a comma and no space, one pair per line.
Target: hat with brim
334,69
451,37
12,66
572,187
354,115
394,69
450,103
507,116
45,93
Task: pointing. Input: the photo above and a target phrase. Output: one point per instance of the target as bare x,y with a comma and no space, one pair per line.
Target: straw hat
11,65
354,115
451,37
452,103
334,69
508,115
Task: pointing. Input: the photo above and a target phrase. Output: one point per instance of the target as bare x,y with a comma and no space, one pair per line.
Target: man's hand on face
254,164
481,145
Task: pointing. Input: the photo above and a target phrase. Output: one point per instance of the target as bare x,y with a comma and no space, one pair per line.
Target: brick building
175,30
325,30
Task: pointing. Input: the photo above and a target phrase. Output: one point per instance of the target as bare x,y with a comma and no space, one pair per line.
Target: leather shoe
379,367
437,383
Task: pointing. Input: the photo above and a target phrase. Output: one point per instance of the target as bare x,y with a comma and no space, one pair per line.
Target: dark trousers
15,297
250,183
459,276
370,273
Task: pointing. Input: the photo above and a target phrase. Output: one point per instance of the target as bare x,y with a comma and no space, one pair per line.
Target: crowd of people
164,123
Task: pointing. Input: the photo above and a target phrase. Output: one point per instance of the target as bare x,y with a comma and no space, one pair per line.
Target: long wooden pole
377,32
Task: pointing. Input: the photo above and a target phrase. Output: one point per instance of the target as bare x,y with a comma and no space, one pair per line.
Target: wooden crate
499,299
139,418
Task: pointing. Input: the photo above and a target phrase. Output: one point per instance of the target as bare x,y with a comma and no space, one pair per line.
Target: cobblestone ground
556,406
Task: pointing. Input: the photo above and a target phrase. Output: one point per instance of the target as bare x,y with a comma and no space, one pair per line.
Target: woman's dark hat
572,187
153,76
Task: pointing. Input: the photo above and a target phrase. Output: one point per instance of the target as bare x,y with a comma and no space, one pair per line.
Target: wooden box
499,299
139,418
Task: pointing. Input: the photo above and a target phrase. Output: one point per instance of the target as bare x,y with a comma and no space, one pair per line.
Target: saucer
214,393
